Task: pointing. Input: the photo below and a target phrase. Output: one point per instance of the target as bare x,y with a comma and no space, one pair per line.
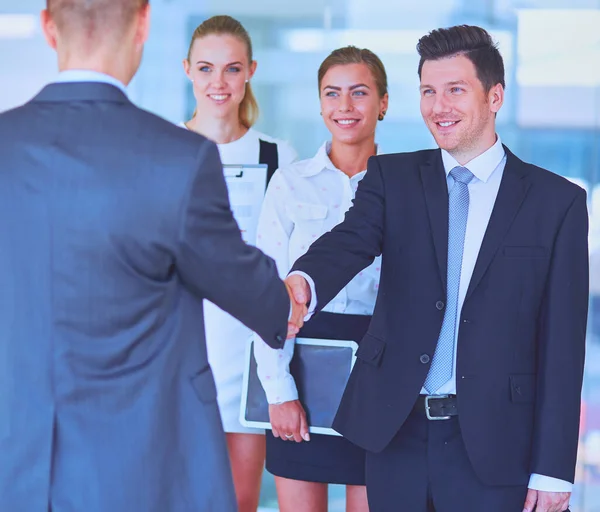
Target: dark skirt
325,459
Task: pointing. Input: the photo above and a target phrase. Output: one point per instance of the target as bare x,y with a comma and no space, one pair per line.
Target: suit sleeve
561,348
215,263
335,258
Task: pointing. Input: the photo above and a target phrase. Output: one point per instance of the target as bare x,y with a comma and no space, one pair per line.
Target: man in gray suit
114,226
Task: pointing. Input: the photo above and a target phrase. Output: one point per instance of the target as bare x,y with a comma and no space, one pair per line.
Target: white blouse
305,200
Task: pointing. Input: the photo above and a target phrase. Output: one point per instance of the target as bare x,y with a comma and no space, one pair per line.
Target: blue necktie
440,371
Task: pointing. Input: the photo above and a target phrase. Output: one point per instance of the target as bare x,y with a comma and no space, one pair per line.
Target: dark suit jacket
114,226
522,326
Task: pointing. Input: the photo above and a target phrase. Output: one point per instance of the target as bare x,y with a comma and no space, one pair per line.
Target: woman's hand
288,421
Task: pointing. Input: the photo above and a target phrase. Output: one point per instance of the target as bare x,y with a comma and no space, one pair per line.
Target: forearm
273,367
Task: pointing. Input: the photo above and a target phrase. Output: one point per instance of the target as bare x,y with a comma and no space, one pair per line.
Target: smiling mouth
446,124
218,97
346,122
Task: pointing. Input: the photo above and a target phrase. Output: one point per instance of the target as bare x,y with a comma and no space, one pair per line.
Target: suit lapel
512,192
435,188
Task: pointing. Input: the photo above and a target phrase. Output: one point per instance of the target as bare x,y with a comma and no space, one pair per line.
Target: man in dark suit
466,390
114,226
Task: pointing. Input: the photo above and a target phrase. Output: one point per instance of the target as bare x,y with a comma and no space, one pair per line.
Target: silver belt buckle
434,397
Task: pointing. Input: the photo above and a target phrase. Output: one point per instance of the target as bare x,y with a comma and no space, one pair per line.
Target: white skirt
226,340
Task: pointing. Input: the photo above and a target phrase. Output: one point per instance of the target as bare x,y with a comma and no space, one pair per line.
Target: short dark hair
473,42
93,18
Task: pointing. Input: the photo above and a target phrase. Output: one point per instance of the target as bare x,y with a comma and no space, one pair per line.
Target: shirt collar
86,75
321,161
482,166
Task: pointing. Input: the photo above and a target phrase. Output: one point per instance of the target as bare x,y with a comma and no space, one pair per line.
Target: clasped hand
299,292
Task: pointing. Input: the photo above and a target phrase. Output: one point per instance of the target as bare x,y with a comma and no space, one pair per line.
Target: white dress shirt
86,75
488,169
303,201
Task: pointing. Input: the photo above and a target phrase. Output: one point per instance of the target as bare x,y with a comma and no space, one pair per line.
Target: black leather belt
437,407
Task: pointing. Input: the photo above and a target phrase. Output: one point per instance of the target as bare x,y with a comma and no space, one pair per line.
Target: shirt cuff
549,484
313,293
280,390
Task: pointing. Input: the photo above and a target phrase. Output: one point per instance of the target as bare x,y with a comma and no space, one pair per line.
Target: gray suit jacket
114,225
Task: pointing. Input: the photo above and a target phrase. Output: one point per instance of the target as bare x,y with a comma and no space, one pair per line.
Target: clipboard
321,368
246,185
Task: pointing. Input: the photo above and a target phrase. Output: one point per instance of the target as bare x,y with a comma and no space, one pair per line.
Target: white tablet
321,369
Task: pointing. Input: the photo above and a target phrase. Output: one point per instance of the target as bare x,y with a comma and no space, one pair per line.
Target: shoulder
170,146
293,179
297,171
172,134
417,157
547,181
404,162
285,151
11,120
148,140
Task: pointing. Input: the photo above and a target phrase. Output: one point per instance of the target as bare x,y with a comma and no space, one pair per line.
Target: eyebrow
448,84
211,64
352,87
457,82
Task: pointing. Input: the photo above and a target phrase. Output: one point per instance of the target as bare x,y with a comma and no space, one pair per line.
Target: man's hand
288,421
299,292
541,501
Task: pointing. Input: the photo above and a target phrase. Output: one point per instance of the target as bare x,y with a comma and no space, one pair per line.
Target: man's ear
496,98
143,26
48,28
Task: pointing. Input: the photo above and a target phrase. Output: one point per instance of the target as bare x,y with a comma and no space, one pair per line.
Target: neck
221,131
352,158
464,155
100,63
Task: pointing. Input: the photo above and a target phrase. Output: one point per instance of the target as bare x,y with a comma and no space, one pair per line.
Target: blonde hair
226,25
354,55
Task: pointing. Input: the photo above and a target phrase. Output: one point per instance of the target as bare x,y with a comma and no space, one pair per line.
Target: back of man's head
93,21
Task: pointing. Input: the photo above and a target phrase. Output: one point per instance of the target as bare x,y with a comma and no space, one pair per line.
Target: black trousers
426,469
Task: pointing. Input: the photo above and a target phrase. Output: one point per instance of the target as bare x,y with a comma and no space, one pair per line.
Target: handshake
300,296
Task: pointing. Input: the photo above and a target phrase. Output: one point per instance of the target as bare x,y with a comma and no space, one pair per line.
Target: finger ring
289,436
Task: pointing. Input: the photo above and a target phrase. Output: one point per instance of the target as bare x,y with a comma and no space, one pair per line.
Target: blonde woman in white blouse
220,66
303,201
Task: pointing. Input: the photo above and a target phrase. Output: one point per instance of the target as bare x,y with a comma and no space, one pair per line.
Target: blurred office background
551,116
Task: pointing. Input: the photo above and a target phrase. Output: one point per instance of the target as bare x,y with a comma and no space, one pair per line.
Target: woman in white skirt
220,66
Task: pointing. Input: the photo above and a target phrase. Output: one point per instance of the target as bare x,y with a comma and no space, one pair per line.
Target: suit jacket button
279,338
424,358
440,305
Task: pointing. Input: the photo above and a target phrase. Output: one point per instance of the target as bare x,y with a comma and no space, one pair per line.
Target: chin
349,138
219,111
445,143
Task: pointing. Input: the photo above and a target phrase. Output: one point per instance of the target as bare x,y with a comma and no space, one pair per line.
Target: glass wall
551,116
